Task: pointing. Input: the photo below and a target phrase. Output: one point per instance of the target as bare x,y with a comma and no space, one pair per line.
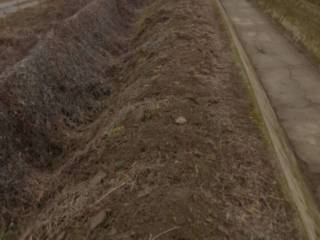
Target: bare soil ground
130,120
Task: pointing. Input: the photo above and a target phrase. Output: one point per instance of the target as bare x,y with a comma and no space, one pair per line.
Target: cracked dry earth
144,130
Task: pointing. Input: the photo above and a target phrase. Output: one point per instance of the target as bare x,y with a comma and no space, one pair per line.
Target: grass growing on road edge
258,119
255,113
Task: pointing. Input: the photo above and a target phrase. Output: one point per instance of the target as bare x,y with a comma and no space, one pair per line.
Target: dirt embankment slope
130,121
20,31
300,18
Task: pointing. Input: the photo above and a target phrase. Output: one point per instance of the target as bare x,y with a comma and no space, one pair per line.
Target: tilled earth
130,120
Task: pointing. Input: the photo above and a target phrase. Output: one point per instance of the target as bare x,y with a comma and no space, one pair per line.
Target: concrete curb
296,187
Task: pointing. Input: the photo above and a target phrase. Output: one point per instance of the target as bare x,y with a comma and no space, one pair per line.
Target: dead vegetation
91,145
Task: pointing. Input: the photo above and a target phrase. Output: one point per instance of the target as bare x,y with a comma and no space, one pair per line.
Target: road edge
295,185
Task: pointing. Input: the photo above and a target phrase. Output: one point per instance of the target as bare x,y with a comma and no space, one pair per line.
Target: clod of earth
181,120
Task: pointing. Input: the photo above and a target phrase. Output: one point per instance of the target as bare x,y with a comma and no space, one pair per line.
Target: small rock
181,120
98,178
98,219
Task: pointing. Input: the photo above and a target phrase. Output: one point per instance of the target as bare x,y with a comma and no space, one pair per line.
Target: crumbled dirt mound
20,31
61,85
130,121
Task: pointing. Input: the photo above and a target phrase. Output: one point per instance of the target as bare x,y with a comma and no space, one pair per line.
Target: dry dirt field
129,119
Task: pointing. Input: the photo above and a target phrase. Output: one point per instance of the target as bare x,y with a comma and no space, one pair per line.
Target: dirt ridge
110,159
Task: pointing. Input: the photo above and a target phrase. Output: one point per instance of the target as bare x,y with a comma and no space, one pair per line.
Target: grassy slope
300,18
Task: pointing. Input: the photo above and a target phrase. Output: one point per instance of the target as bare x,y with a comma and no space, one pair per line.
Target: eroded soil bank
129,120
20,31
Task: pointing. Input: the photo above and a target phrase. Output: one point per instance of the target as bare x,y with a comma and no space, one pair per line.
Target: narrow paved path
290,80
12,6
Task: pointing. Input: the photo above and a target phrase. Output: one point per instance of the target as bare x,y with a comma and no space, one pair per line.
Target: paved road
15,5
290,80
